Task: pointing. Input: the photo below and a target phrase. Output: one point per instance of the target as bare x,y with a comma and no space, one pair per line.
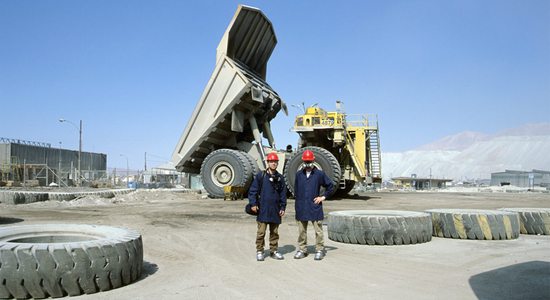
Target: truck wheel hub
222,174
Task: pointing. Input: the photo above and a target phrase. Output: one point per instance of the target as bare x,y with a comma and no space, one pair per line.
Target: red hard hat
308,156
272,157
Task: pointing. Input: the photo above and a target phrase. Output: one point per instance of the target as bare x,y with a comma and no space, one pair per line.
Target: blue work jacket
306,189
272,196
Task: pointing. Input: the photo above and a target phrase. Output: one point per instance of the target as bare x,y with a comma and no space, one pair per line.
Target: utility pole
127,170
79,154
79,147
59,167
430,178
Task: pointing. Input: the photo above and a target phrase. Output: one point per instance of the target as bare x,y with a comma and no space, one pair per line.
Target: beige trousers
302,235
273,236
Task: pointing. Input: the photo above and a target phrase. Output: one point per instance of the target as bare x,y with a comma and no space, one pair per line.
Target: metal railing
362,120
24,142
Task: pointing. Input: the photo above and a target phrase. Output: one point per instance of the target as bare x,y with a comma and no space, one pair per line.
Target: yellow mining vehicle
223,139
346,146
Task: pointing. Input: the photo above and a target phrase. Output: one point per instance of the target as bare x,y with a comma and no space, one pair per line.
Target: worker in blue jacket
309,204
267,197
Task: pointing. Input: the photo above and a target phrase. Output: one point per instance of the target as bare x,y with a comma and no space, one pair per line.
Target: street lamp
127,171
59,167
79,146
301,108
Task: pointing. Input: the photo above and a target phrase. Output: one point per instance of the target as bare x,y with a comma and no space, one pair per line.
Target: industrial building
528,179
35,163
165,176
419,183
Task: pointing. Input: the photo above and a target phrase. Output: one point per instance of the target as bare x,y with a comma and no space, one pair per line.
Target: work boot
300,254
319,255
260,256
277,255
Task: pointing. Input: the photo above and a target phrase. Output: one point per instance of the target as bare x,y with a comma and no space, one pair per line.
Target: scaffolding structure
33,163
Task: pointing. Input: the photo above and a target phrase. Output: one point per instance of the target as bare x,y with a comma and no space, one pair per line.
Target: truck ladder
375,163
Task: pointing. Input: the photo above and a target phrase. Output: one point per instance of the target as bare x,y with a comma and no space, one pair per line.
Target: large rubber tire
56,260
252,167
26,197
475,224
22,197
224,167
533,220
324,160
379,227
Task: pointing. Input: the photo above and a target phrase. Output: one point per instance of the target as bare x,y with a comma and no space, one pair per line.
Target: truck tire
56,260
475,224
254,164
252,167
379,227
61,196
22,197
533,220
221,168
324,160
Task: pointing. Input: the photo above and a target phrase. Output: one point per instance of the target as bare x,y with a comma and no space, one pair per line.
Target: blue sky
134,70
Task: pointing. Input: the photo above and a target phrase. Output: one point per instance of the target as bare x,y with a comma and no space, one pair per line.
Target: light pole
79,146
127,171
301,108
59,167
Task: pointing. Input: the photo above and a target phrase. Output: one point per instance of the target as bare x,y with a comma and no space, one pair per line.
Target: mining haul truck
346,147
223,138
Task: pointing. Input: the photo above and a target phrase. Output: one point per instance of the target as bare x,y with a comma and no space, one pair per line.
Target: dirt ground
200,248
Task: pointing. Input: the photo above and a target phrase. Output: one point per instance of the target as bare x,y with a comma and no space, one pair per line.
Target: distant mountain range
474,155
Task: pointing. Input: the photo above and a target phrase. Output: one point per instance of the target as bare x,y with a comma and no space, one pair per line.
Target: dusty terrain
197,248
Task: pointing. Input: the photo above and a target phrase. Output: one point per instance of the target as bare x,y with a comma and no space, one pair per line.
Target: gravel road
201,248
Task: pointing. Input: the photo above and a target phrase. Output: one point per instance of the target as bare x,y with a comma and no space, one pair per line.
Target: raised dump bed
235,108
